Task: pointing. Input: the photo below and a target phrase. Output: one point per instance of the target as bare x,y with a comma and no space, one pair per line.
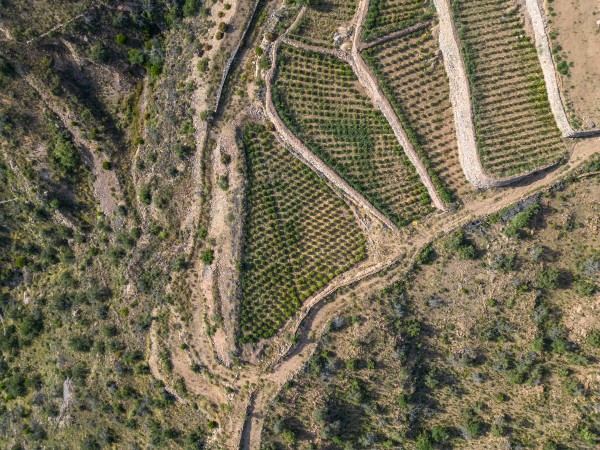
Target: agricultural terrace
321,101
412,75
298,235
516,131
322,20
386,16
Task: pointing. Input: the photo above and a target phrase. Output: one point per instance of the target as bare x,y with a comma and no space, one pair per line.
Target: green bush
593,338
522,220
202,65
121,39
145,195
459,243
207,256
191,8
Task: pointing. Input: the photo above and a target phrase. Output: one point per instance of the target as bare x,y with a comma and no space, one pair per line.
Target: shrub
106,165
145,195
207,256
6,67
65,156
121,39
81,343
548,279
427,255
136,57
202,65
522,220
593,338
462,245
191,8
99,53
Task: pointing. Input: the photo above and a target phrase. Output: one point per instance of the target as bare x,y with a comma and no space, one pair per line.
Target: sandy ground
579,36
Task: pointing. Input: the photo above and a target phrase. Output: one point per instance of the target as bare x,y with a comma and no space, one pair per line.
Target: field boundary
396,34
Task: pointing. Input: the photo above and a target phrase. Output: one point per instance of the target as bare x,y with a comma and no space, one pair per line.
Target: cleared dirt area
577,33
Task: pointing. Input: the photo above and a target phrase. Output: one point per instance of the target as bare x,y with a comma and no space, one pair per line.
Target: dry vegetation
322,20
573,32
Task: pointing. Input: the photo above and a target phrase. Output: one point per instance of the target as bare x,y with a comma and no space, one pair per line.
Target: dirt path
227,233
538,20
369,82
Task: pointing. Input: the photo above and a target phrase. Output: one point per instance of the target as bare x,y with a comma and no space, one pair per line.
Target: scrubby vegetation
319,98
79,284
516,131
298,236
490,351
386,16
412,75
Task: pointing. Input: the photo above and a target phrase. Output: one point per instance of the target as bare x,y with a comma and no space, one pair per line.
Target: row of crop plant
322,102
516,131
298,235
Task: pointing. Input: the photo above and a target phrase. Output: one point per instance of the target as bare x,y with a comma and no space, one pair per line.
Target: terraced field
411,73
322,20
299,235
320,99
387,16
515,126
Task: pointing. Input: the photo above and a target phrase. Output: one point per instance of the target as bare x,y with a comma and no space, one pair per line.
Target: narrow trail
65,23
